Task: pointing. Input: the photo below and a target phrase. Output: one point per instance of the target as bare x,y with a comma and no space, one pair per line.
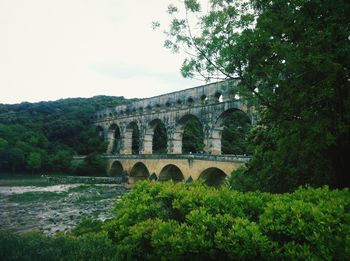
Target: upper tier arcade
208,103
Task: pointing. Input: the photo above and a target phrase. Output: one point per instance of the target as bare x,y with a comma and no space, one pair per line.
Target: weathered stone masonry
208,103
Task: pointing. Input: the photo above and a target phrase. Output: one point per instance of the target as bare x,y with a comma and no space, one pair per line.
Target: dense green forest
44,136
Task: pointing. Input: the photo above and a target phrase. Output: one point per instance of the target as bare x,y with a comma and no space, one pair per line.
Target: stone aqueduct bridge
209,104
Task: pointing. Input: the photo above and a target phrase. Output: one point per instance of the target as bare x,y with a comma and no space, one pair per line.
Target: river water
50,208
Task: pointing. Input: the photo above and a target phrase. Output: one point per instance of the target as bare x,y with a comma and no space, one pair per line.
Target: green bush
35,246
194,222
86,226
166,221
93,165
309,224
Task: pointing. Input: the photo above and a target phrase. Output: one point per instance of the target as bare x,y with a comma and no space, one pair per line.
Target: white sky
51,49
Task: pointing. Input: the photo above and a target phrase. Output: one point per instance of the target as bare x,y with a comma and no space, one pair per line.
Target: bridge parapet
218,158
198,96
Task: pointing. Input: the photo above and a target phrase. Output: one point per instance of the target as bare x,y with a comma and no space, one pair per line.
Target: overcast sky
52,49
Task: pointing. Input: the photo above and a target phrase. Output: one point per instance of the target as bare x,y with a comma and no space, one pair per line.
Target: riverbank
53,206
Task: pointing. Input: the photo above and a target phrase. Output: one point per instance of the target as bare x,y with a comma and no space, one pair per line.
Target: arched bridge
213,169
209,104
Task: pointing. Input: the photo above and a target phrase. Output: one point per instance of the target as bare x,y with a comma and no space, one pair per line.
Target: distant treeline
44,136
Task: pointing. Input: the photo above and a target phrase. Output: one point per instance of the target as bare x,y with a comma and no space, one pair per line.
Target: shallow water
55,208
24,189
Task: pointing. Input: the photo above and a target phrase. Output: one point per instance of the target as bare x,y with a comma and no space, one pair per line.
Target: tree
293,56
3,149
56,130
192,140
93,165
236,127
3,144
160,139
34,161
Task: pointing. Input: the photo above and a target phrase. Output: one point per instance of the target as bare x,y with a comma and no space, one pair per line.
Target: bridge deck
220,158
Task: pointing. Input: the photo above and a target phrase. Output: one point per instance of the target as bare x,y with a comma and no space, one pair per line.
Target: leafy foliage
36,246
293,56
192,140
45,135
236,127
166,221
194,222
93,165
135,140
160,139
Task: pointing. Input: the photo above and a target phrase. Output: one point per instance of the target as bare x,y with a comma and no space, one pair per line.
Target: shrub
309,224
35,246
93,165
195,222
166,221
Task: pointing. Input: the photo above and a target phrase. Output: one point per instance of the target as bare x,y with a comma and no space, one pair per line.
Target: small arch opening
116,169
139,172
219,97
204,98
153,177
171,172
99,131
190,101
213,177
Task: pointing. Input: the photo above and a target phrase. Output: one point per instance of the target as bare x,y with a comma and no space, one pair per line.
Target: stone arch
196,143
190,101
204,99
219,127
219,96
138,172
100,131
132,138
102,135
117,169
213,176
154,132
114,139
171,172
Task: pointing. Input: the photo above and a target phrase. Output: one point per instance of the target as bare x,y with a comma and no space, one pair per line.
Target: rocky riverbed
55,208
